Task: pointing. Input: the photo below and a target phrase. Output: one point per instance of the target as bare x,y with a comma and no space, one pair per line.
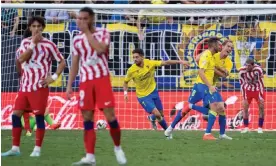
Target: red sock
39,135
16,134
116,135
26,117
185,110
89,140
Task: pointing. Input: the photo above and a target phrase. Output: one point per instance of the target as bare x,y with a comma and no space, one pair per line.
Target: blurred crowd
13,21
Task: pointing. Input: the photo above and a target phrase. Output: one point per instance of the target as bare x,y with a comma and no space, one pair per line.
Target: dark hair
249,61
39,19
138,51
88,10
212,41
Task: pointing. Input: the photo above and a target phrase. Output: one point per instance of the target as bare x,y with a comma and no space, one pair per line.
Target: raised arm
173,62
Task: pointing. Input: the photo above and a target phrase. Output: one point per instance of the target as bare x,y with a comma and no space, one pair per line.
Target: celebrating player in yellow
142,73
204,89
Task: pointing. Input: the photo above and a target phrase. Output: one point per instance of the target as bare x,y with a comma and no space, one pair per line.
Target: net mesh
163,34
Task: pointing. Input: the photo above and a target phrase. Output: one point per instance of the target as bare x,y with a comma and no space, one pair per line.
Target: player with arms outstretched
252,87
142,73
205,90
91,48
36,54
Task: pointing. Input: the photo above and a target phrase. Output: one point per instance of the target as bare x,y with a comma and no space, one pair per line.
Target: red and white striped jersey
39,65
92,64
251,80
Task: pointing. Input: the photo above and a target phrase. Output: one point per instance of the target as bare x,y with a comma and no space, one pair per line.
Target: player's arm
18,68
220,73
100,47
72,75
27,52
125,86
173,62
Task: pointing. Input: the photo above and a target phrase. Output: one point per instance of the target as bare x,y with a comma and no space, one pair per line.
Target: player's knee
16,121
88,115
18,113
40,121
109,114
157,114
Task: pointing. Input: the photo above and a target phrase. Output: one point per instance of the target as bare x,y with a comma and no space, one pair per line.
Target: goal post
164,32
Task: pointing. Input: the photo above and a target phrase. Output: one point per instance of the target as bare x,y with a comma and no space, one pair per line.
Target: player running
142,73
36,54
205,90
252,87
223,66
91,48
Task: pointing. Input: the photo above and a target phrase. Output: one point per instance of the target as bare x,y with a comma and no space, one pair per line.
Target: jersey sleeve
75,50
128,76
156,63
55,53
203,62
106,37
228,65
22,48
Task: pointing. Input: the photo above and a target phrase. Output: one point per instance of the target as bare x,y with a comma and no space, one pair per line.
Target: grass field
149,148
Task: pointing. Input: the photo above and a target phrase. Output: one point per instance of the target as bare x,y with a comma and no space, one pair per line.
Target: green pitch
149,148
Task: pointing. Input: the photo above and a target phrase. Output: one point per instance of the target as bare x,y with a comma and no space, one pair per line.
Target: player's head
227,47
213,44
86,15
36,24
249,63
138,56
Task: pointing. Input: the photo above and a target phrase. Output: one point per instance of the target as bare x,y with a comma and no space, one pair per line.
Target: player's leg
105,101
21,103
50,121
26,123
247,98
195,97
159,106
87,106
260,101
38,103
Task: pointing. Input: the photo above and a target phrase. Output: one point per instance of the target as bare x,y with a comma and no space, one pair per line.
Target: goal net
168,32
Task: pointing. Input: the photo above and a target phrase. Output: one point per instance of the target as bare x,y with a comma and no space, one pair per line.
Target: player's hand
212,89
126,98
46,82
38,37
69,92
185,63
84,27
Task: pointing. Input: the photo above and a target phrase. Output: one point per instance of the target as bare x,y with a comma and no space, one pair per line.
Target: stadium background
162,41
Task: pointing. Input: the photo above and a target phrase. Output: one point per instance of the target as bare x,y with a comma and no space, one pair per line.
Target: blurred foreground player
252,87
36,54
142,73
91,48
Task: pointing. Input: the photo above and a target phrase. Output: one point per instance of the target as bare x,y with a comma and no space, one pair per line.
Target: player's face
84,18
138,59
36,28
227,49
216,47
249,67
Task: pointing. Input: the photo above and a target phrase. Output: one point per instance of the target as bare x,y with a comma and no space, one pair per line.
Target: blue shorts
201,92
151,101
198,93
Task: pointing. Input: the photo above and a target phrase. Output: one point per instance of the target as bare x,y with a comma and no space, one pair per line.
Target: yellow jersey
143,77
207,62
225,63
